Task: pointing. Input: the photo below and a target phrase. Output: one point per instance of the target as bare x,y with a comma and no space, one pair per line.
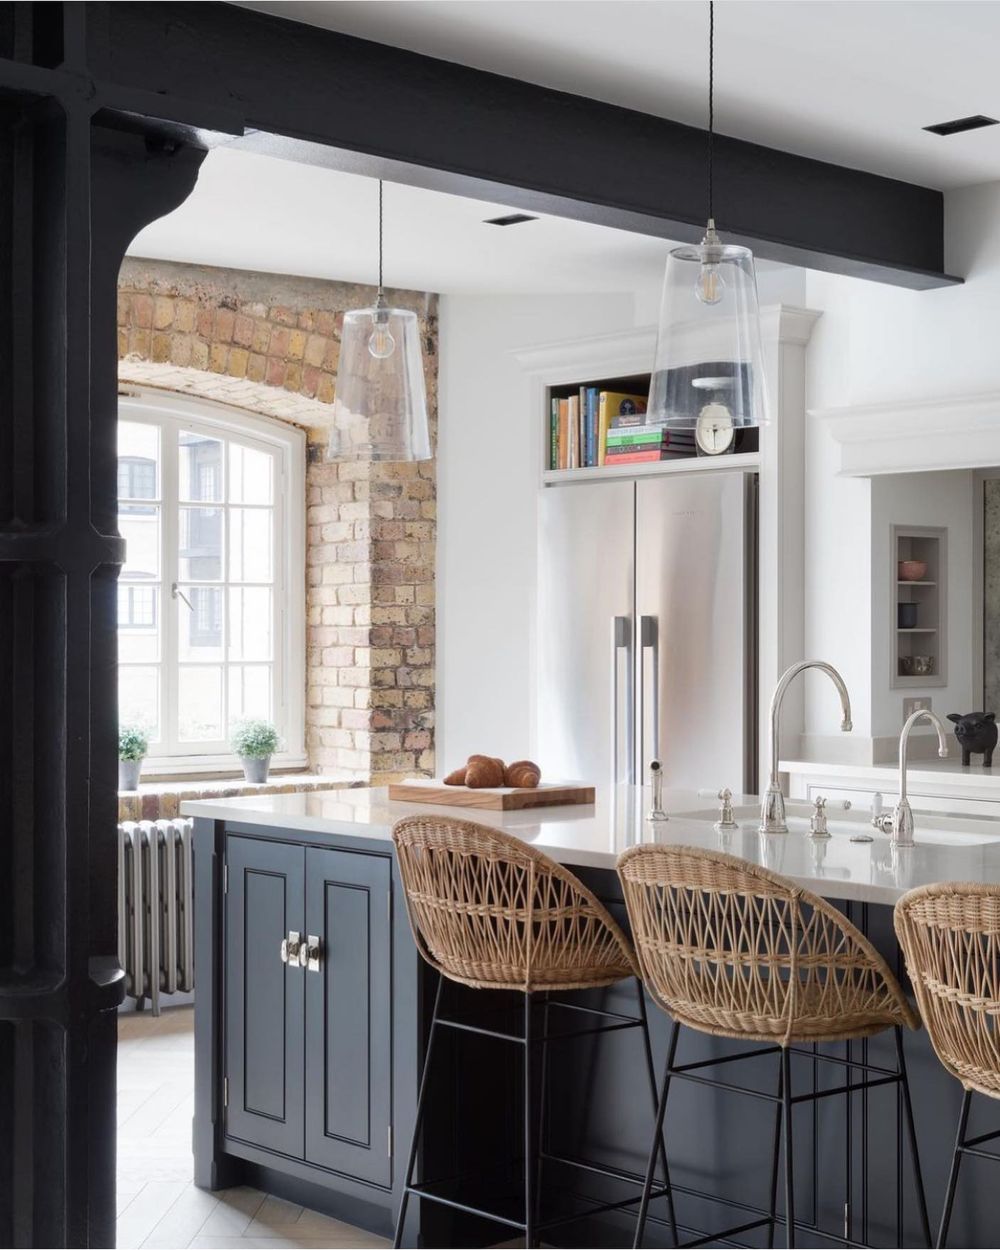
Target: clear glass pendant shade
709,362
380,403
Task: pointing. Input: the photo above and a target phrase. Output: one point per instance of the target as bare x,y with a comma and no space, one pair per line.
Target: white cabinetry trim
916,435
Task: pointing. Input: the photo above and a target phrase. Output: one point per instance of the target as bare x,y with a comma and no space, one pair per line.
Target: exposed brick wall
271,344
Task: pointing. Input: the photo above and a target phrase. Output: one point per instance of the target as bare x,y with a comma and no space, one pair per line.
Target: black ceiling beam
317,95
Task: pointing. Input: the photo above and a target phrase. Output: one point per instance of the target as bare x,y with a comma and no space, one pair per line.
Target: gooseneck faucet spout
772,808
899,825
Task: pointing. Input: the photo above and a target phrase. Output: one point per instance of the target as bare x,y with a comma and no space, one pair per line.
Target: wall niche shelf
919,648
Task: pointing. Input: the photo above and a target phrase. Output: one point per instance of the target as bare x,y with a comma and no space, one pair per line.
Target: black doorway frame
106,113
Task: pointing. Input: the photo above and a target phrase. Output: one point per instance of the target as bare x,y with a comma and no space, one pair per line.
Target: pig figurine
976,731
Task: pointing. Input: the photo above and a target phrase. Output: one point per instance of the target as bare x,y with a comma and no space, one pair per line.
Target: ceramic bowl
912,570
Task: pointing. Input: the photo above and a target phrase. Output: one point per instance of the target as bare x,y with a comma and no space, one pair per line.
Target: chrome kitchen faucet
772,808
899,823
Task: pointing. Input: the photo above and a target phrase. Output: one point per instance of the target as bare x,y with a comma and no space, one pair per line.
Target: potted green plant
255,741
133,743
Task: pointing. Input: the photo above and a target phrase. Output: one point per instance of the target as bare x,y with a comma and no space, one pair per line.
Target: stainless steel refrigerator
647,641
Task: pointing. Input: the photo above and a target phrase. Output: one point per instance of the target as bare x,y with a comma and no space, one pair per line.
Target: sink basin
931,829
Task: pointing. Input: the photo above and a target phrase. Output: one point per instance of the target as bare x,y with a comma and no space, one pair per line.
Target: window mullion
169,674
226,565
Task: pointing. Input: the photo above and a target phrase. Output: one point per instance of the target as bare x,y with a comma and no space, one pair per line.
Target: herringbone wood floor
158,1206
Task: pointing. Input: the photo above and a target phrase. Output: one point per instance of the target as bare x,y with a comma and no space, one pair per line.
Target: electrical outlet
918,703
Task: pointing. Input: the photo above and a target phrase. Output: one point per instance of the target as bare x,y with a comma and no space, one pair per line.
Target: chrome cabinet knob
291,947
311,953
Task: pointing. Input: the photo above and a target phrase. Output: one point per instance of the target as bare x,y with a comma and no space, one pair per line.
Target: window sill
161,800
160,769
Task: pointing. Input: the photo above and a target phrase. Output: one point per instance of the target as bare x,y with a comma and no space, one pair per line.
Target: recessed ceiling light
512,219
960,124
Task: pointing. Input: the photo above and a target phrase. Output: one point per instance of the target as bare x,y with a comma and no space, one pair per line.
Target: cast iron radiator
156,908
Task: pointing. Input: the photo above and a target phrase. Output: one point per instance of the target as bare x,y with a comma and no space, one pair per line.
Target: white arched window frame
196,649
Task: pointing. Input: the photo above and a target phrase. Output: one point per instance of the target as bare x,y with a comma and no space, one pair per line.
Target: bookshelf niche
919,616
582,442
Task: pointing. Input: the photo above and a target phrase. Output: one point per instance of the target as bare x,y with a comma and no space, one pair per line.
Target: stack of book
575,430
595,427
640,443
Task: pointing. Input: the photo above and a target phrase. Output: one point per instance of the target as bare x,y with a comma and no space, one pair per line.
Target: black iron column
72,195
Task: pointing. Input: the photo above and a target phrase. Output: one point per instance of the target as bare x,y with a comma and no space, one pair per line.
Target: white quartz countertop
593,836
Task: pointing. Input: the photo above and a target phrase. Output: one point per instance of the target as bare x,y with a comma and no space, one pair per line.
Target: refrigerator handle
649,640
621,640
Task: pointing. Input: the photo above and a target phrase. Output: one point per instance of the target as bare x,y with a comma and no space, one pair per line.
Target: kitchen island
312,1005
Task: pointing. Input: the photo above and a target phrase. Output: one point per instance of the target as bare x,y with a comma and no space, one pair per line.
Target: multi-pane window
203,619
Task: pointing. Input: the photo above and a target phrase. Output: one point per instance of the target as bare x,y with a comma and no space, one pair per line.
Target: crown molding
632,351
915,435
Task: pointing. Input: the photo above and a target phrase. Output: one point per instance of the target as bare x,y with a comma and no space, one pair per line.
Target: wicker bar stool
950,936
490,912
730,949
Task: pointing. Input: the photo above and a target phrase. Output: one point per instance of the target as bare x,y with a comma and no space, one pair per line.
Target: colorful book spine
554,434
573,405
592,418
618,409
564,434
633,457
617,438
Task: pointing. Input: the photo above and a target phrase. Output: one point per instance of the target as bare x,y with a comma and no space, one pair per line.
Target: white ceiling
255,212
849,81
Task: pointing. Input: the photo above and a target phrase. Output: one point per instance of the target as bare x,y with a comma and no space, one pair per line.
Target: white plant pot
256,770
128,774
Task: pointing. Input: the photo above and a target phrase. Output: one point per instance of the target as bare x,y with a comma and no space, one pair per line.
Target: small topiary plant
133,742
254,739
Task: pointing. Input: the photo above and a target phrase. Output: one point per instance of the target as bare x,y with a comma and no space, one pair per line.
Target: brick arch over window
270,344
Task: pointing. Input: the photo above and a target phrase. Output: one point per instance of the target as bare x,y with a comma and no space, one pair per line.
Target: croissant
483,771
524,774
457,778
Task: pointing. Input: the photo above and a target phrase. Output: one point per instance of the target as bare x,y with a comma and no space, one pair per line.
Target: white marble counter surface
593,836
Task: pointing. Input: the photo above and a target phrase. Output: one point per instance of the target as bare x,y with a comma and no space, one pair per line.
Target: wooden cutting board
499,799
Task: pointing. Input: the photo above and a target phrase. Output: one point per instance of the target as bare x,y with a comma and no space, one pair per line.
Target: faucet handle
726,819
817,822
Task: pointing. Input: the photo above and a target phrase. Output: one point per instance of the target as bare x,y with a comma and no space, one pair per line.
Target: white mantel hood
916,435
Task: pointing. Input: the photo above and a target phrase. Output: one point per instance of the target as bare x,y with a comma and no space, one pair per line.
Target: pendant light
709,364
380,404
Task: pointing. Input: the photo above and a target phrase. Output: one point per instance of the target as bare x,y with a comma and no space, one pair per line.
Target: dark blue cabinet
264,997
308,1041
348,1016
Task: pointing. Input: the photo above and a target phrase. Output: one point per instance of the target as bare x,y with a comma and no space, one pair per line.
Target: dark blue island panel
307,1076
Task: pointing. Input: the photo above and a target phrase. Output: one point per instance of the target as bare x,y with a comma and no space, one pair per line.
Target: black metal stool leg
415,1139
918,1178
530,1133
542,1103
651,1072
640,1224
786,1103
773,1208
956,1162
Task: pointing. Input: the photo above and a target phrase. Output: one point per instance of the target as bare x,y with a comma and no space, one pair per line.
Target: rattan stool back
731,949
950,936
491,912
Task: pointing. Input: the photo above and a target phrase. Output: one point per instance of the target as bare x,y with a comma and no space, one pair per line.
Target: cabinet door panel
348,1021
264,997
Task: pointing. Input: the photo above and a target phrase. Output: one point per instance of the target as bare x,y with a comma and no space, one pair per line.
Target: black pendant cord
711,109
380,234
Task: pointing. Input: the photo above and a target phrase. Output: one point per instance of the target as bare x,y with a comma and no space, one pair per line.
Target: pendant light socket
380,400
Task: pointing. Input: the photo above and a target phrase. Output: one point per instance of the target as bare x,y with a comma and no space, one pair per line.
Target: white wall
487,492
880,343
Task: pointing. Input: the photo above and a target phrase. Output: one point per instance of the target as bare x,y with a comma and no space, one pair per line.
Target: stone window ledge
161,800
